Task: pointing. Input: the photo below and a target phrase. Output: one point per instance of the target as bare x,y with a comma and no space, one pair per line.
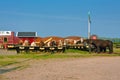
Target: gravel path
95,68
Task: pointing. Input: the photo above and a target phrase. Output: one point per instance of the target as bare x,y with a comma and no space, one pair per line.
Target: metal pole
88,29
89,34
89,25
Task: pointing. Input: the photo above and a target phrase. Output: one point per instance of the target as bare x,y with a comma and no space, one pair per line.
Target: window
5,39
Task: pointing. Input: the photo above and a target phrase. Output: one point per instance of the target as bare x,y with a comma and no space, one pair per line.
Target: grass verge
70,53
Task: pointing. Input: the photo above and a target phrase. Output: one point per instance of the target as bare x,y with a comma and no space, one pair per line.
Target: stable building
7,38
26,36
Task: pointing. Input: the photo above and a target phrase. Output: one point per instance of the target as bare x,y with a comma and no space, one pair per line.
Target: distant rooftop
26,34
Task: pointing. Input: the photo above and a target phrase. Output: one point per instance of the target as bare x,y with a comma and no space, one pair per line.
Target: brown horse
100,45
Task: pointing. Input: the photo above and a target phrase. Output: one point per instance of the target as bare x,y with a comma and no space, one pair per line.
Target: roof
5,33
26,34
73,37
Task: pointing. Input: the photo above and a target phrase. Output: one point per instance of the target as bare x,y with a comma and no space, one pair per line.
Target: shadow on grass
2,71
5,70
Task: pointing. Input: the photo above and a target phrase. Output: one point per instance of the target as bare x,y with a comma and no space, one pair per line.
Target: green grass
116,50
7,62
70,53
76,51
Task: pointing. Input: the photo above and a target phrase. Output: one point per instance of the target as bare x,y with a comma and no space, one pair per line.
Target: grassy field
6,60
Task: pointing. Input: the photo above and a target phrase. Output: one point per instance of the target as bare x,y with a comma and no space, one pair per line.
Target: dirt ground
94,68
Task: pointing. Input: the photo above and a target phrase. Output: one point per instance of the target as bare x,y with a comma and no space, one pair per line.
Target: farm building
94,37
7,38
26,36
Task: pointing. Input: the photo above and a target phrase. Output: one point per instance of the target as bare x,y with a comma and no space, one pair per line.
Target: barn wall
10,39
30,39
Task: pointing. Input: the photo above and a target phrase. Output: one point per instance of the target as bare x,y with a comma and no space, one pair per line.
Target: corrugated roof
27,34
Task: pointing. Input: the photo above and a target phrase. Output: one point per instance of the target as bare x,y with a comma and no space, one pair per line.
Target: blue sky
61,17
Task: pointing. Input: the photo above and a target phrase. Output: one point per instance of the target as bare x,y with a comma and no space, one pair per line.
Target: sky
61,17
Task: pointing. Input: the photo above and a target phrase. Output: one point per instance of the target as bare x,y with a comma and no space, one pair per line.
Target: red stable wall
30,39
8,39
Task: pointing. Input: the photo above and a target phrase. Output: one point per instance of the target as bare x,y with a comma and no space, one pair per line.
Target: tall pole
89,34
89,25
